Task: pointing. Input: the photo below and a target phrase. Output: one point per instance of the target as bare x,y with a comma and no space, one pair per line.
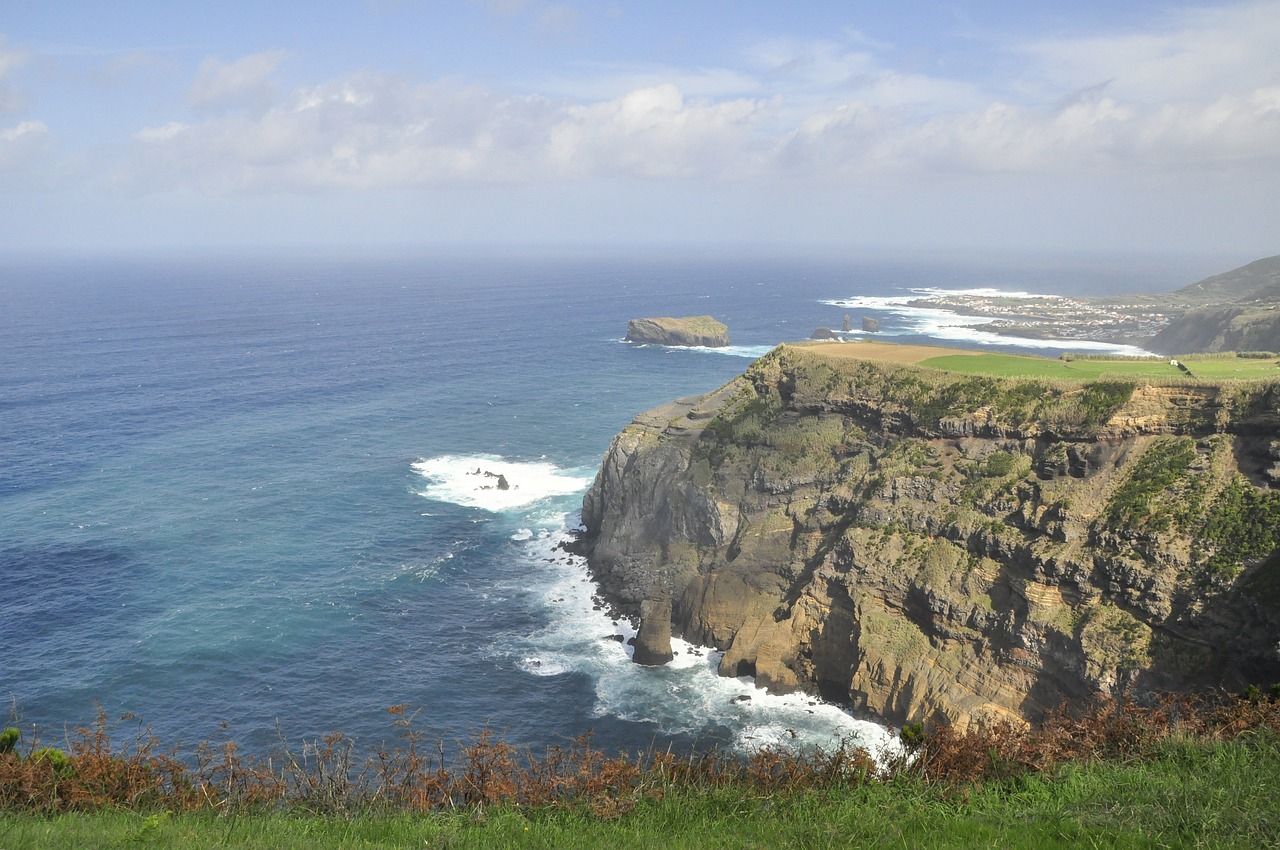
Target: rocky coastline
944,548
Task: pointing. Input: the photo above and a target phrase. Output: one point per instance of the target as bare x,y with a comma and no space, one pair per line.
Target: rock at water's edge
653,642
688,331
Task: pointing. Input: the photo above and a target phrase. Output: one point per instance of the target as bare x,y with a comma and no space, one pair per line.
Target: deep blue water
210,510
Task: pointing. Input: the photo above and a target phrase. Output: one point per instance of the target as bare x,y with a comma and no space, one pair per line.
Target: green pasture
1020,366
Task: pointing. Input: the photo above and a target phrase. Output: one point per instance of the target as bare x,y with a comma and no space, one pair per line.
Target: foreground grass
1187,794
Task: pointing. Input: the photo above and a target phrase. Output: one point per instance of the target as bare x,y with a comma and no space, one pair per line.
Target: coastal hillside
932,545
1256,282
1238,310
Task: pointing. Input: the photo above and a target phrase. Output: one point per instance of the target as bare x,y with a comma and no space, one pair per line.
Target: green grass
1017,366
1233,367
1189,795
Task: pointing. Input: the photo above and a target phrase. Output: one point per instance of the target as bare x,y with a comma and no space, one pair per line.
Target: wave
943,324
685,697
754,352
477,481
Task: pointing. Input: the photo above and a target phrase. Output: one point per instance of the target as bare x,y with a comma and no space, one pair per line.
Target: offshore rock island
930,545
695,331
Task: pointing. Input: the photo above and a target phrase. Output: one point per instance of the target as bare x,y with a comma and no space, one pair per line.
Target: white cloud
161,134
244,82
369,131
24,152
1192,54
817,113
11,59
366,132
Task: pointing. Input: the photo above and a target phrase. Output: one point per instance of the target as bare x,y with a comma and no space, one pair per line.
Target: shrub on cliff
1242,525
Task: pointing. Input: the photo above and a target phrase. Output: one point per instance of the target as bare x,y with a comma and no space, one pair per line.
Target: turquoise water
244,491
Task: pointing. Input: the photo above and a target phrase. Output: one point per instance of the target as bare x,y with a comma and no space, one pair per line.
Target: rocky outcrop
933,546
690,331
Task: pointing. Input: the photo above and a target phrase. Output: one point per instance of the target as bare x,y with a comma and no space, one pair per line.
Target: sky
920,125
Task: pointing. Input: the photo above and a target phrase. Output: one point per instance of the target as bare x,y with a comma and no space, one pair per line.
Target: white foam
472,481
539,667
754,352
684,697
944,324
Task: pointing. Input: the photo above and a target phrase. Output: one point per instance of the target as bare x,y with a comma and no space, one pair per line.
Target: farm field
1014,366
1026,366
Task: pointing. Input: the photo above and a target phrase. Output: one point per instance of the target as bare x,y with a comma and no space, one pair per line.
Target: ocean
239,497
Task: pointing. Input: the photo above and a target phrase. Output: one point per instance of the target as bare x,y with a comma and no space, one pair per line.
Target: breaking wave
684,697
493,484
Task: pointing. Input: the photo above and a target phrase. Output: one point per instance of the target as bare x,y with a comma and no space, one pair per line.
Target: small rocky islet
689,331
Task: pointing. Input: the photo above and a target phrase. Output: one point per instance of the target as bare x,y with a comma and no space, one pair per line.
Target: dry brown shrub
416,775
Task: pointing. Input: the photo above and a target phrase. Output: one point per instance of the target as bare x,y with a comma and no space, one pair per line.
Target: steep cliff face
931,546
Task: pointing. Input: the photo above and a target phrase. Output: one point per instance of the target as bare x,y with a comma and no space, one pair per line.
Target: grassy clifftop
930,389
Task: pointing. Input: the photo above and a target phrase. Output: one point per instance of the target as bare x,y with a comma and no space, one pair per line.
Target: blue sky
916,125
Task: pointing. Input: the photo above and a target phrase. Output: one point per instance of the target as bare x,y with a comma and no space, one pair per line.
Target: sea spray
686,697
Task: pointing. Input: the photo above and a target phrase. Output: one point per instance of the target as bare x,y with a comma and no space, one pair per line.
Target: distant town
1056,316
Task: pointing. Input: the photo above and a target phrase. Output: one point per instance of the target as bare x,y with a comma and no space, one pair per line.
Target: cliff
934,546
1221,329
692,330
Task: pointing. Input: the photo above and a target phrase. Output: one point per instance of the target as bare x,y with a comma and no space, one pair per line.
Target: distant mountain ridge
1258,281
1237,310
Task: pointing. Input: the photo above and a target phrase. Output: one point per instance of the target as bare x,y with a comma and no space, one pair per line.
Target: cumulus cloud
24,152
378,131
822,110
244,82
381,131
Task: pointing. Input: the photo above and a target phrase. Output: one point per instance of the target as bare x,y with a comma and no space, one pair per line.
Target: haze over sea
243,491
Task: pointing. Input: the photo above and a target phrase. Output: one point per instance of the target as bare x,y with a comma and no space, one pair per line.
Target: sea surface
244,492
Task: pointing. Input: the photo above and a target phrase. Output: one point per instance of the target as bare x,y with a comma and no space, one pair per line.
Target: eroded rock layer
935,546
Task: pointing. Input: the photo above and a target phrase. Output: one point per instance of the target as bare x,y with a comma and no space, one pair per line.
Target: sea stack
653,642
687,331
